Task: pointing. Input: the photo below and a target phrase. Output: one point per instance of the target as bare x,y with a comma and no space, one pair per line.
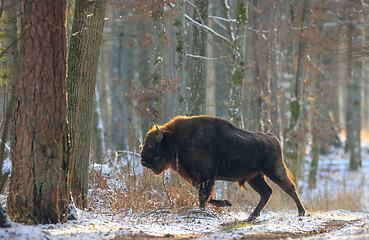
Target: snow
217,224
192,223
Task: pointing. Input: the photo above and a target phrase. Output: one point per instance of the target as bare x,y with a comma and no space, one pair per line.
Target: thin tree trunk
182,61
292,143
199,48
158,58
275,119
83,61
10,9
103,78
39,191
144,69
287,71
262,58
235,112
211,78
256,88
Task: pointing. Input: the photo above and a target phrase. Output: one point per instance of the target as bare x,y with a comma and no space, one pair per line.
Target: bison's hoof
251,218
301,214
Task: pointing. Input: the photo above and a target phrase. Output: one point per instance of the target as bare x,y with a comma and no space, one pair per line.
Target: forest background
293,68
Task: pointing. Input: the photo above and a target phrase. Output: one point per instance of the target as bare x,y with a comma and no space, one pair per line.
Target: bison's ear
159,135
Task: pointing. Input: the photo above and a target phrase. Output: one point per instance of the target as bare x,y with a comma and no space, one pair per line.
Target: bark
103,78
144,70
275,119
199,48
295,108
256,100
353,110
287,71
39,192
180,24
97,140
262,58
158,59
12,65
11,40
83,61
235,113
250,70
211,78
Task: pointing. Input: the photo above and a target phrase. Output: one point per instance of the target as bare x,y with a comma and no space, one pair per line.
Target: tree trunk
11,39
287,71
275,119
144,69
181,50
353,105
39,191
83,61
235,112
295,108
158,59
199,48
256,83
211,78
262,58
103,78
12,66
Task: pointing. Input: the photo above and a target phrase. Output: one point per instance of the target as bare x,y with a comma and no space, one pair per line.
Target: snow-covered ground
194,223
227,223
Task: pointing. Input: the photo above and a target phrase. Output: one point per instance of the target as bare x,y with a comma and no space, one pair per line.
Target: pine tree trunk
199,48
83,58
39,191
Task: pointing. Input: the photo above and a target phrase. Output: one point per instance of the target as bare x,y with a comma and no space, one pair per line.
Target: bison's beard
159,166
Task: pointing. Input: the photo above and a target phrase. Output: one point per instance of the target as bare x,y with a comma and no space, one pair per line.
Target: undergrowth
131,189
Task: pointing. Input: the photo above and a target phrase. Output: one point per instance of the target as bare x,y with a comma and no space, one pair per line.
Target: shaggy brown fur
203,149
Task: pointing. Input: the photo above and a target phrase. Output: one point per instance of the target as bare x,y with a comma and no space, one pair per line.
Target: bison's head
155,152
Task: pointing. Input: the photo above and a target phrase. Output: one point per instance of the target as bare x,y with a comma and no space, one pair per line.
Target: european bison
203,149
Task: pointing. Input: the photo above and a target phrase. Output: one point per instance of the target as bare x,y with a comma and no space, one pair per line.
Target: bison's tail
241,184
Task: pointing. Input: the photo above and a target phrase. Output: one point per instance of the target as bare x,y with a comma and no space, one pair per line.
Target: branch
223,19
206,58
210,31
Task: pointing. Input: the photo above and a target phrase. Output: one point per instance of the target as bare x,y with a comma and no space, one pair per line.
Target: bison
203,149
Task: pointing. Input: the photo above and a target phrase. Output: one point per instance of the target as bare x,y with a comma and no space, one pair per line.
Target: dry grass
132,191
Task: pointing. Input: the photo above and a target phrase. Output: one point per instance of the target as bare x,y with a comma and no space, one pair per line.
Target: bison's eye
151,145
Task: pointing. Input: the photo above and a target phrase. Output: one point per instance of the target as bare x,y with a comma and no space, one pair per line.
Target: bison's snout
144,163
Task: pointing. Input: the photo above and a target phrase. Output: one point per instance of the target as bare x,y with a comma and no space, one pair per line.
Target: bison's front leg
206,191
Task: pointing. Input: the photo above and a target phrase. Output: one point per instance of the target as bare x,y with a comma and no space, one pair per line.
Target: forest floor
196,224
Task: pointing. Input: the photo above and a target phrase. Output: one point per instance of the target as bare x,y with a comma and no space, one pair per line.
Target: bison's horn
160,134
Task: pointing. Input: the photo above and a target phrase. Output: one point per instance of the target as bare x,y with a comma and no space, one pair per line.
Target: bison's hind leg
260,185
282,179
